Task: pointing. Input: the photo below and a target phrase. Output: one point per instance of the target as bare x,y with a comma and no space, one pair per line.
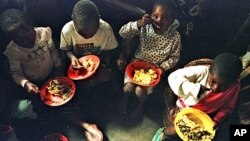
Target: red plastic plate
50,100
83,73
138,64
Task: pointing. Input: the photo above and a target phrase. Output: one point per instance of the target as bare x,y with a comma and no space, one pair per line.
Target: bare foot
123,105
137,111
92,133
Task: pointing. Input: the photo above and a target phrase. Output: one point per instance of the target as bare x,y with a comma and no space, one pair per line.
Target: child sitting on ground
33,57
160,44
213,89
88,34
31,53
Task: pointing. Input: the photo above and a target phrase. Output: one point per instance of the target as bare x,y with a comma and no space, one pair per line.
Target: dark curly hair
169,6
227,66
86,12
12,19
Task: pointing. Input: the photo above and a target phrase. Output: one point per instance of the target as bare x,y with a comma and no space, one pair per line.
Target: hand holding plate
30,87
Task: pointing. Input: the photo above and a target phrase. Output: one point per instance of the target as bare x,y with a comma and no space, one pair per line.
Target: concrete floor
102,111
115,125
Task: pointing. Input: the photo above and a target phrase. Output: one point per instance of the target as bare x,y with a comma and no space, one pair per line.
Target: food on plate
79,71
54,137
88,64
145,76
193,131
57,89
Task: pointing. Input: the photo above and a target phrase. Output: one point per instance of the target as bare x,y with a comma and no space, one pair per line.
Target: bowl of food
5,132
89,65
193,124
57,91
143,73
55,137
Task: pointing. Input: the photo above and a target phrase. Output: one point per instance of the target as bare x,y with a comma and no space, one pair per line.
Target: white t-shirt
33,63
104,39
186,83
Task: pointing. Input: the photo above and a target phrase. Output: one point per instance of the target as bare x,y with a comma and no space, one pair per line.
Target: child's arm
58,67
54,52
66,46
182,81
131,29
15,67
246,60
73,59
174,56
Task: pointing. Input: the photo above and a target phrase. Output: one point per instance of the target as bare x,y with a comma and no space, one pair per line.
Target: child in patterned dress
160,44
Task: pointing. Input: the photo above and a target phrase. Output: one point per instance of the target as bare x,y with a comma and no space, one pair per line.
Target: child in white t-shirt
88,34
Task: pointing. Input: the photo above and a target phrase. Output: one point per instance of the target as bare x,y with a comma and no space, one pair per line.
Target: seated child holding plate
31,53
160,44
88,34
212,89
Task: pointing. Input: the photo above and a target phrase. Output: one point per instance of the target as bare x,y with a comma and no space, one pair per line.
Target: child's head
18,27
224,71
86,18
163,15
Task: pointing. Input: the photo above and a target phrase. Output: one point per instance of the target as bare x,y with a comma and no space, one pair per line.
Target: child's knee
141,93
129,88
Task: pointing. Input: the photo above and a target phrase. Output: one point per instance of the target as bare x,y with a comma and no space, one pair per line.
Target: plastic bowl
5,132
55,137
139,64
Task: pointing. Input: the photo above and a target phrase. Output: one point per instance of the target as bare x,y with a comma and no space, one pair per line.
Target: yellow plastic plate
198,116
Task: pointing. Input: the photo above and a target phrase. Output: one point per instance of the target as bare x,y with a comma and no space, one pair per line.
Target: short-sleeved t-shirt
104,39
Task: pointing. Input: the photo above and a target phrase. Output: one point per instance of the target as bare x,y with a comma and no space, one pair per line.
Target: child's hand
161,71
92,133
146,19
121,63
202,90
31,88
75,62
215,126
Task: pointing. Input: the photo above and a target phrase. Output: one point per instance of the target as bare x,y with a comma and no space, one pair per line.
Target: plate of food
193,124
57,91
55,137
5,131
143,73
89,65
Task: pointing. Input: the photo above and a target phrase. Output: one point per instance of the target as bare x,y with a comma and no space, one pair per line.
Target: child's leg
142,95
103,73
167,132
128,89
